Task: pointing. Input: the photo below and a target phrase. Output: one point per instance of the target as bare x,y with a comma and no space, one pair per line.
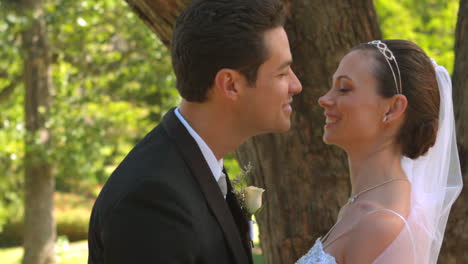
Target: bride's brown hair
419,85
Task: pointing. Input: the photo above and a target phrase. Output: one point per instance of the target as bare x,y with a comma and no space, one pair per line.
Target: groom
170,201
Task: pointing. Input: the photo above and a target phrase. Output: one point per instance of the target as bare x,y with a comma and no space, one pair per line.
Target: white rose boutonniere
252,203
249,197
253,199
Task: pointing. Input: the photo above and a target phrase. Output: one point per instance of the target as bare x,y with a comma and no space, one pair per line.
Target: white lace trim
316,255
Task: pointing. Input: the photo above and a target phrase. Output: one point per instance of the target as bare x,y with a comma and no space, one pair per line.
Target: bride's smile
383,110
330,120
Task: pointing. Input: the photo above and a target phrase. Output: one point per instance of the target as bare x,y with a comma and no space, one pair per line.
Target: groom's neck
213,125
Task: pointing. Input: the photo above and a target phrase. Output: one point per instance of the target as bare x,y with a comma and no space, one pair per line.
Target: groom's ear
228,83
397,107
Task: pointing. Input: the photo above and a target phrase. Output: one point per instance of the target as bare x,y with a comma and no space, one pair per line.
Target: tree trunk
456,238
306,181
159,15
39,223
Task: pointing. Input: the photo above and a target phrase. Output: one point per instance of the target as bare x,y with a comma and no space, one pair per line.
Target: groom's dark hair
214,34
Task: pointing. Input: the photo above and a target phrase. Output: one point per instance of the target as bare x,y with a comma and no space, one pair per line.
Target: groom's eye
282,74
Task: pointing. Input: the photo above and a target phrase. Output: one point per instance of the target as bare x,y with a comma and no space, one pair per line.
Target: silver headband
388,54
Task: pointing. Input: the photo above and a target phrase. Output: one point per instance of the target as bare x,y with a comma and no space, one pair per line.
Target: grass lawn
73,253
257,256
72,213
11,255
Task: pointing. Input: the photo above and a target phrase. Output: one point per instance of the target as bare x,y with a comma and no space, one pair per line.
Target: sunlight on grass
72,253
72,213
11,255
75,253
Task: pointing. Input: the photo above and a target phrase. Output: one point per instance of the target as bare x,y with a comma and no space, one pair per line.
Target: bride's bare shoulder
374,232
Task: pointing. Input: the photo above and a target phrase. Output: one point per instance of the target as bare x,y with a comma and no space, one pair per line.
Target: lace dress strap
325,245
409,235
388,210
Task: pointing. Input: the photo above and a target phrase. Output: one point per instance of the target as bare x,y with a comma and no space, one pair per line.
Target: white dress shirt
216,166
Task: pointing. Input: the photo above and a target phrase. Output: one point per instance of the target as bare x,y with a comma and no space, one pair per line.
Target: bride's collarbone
359,208
351,214
352,226
349,217
400,202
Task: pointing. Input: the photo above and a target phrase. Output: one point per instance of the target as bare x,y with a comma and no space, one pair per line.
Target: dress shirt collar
216,166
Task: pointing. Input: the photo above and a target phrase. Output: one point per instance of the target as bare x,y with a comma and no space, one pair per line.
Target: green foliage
11,118
72,212
232,166
112,79
112,82
12,234
428,23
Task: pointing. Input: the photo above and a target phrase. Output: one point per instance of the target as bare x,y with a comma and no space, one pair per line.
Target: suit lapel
202,173
240,218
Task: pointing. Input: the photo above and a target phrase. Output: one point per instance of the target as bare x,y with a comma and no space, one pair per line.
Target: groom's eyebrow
284,65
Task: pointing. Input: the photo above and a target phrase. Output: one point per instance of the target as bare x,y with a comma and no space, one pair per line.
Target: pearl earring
385,118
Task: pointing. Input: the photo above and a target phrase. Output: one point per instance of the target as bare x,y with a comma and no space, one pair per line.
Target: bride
390,108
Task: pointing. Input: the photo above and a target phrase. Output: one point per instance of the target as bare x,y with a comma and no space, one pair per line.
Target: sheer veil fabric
436,182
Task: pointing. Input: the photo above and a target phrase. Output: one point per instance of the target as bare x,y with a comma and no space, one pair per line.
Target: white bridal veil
436,182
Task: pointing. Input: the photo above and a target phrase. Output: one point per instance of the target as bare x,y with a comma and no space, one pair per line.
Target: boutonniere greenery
249,197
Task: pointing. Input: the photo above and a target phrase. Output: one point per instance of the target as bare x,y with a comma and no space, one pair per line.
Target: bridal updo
419,85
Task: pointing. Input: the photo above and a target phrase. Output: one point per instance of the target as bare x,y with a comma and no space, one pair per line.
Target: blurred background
109,83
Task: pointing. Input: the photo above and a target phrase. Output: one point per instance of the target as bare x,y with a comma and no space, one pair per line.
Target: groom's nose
295,86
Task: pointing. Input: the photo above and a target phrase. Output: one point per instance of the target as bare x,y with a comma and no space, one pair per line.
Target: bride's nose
325,101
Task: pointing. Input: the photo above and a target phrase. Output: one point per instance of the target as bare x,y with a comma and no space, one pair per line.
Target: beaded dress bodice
316,255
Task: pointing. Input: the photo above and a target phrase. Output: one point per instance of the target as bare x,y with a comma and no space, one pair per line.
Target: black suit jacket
163,205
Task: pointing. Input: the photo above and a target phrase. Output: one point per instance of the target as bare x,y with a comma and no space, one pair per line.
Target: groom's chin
280,128
285,127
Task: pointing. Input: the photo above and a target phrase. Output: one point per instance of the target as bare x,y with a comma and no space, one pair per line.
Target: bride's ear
396,109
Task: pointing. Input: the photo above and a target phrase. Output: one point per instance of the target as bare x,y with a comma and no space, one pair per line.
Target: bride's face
354,110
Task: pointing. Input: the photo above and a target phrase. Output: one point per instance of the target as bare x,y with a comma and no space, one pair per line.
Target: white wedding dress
400,251
436,182
316,255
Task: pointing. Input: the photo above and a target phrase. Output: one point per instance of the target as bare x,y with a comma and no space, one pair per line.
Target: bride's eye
344,90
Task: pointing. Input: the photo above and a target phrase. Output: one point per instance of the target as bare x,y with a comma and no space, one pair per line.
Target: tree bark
456,237
159,15
39,223
306,181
